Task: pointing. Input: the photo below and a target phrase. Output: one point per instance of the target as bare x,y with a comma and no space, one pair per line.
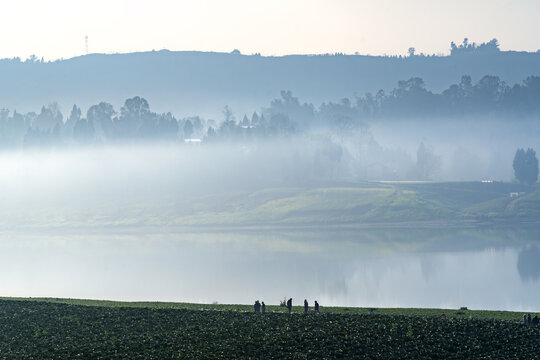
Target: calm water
480,269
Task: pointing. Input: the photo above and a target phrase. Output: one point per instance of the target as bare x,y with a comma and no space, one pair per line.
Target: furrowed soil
48,330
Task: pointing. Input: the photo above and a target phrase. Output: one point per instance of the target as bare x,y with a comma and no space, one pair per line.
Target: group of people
528,321
306,307
259,307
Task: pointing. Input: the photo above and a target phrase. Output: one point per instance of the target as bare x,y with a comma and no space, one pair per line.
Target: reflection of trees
528,263
428,266
426,162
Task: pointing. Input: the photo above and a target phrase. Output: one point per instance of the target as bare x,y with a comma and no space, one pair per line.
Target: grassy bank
371,203
61,329
359,204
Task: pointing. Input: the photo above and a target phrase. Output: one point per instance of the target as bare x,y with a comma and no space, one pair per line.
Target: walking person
257,307
263,307
289,305
316,306
306,306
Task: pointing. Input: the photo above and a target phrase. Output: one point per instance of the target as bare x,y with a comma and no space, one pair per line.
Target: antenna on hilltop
86,43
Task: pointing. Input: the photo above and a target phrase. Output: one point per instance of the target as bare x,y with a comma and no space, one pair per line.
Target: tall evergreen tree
526,166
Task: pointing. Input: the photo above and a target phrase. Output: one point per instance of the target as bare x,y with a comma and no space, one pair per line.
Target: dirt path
512,204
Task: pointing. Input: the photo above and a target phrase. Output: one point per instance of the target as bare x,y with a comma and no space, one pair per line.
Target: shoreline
212,228
509,315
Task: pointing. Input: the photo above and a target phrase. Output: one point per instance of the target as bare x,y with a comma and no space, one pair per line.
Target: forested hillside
199,83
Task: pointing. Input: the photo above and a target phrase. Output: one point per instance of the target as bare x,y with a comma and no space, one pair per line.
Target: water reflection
401,268
528,263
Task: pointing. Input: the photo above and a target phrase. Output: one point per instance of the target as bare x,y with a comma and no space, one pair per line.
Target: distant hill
202,83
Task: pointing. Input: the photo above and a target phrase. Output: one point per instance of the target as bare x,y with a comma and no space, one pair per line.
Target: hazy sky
56,28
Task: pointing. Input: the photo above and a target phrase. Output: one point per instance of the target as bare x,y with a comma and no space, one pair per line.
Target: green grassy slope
374,203
353,204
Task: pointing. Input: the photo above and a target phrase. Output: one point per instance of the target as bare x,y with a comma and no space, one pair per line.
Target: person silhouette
529,319
263,306
289,305
257,307
316,306
306,306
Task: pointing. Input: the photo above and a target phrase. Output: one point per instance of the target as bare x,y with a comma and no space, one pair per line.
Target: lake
442,268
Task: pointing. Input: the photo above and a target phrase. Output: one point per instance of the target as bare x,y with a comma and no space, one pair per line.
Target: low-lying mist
95,180
461,149
85,177
98,182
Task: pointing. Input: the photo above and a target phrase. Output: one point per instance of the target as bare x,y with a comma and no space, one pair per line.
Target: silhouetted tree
228,114
84,132
228,128
210,134
466,47
488,92
254,119
4,114
245,121
74,116
280,125
167,127
49,116
188,129
198,125
16,126
525,98
133,114
410,98
301,115
526,166
101,118
342,117
426,162
327,158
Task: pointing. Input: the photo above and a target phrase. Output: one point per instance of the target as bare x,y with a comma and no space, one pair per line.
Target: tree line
488,95
284,116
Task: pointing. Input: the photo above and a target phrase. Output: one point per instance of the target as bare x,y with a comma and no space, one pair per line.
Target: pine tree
526,166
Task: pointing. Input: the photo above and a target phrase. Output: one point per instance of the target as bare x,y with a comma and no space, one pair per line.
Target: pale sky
56,28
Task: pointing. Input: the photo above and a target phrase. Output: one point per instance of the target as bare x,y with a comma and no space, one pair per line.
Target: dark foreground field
45,330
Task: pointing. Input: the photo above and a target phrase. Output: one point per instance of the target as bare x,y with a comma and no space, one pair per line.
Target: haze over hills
202,83
462,117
